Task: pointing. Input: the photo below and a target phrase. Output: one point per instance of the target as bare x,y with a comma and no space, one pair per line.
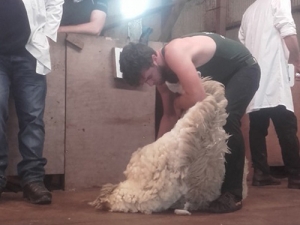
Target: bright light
133,8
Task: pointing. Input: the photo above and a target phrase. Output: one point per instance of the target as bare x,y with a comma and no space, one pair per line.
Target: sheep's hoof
182,212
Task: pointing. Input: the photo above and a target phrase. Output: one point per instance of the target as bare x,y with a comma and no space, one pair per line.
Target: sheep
184,169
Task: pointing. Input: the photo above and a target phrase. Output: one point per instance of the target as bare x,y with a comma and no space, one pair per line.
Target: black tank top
79,11
229,57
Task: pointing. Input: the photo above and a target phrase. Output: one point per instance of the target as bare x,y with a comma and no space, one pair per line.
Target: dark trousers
285,123
239,91
18,76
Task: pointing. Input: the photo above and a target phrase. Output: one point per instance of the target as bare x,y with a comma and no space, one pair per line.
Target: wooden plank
54,117
75,41
106,119
221,15
166,31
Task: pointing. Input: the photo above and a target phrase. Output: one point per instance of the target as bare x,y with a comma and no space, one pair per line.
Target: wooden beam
166,31
221,17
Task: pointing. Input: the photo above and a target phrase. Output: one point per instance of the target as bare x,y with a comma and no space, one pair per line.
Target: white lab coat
264,25
44,18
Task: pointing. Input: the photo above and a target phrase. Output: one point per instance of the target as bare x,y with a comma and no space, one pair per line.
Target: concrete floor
274,205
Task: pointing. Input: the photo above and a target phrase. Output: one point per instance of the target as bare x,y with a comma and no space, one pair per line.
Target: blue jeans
18,76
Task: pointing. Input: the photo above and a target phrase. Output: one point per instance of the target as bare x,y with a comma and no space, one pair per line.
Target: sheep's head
102,202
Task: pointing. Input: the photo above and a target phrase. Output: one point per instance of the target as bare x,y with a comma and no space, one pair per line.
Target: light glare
133,8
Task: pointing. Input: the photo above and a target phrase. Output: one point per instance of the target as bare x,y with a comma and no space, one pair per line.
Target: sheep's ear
101,204
105,206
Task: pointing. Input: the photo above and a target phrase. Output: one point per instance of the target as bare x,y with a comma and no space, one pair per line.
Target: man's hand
293,47
297,66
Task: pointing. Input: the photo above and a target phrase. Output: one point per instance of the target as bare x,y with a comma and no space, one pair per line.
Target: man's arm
169,117
178,56
54,13
293,47
94,27
242,34
284,23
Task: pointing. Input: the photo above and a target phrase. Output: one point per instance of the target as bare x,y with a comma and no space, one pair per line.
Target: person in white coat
26,26
269,32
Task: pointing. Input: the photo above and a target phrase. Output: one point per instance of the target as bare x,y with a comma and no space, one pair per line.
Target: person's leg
259,123
239,91
285,123
29,91
4,95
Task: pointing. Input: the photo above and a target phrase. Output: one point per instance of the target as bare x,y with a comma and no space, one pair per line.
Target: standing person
269,32
177,63
24,60
83,16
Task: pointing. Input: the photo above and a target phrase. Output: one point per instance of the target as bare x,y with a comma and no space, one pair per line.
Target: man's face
152,76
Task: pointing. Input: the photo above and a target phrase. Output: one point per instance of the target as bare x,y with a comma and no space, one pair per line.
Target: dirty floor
273,205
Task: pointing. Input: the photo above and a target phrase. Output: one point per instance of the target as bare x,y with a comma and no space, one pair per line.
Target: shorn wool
184,169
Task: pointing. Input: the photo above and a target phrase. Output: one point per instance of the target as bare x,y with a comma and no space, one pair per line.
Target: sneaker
37,193
226,203
294,181
261,179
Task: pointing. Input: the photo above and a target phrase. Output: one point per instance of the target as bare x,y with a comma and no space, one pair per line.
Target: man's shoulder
101,5
103,2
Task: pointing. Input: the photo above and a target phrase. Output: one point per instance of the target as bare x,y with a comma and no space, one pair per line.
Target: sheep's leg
183,211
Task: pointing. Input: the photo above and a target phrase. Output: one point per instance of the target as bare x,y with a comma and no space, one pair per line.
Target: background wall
106,120
93,121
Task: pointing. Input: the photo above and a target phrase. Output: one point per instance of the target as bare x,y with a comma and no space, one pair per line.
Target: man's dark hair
134,58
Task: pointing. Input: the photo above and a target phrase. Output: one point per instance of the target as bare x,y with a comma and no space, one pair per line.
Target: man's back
263,27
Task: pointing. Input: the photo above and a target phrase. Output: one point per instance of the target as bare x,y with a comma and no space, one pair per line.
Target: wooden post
221,17
166,31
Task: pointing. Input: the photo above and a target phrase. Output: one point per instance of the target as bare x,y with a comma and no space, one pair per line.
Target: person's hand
60,29
297,66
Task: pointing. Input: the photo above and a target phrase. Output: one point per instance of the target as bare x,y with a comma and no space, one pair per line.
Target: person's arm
178,56
242,34
169,117
94,27
284,23
53,17
293,47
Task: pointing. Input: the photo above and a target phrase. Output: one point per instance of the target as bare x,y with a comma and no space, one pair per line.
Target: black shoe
261,179
37,193
294,181
226,203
